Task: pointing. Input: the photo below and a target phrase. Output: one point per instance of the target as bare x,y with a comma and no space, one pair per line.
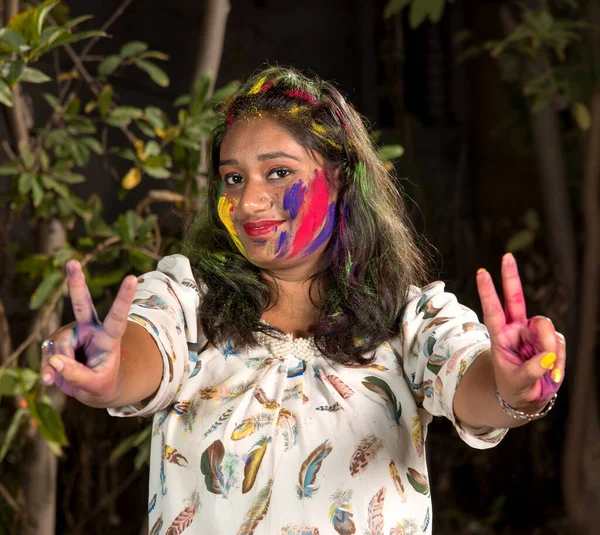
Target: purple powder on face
283,245
326,231
293,199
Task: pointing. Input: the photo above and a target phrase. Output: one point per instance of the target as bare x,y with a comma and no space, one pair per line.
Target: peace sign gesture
528,355
95,380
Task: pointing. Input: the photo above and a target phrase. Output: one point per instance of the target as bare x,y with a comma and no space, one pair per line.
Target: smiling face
276,201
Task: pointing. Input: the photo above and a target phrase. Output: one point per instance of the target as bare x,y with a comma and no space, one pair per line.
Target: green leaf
93,144
12,40
78,20
18,418
224,92
9,168
52,100
109,65
133,48
74,106
156,117
157,172
105,99
183,100
418,13
46,288
436,10
143,455
5,94
38,193
9,382
51,425
42,12
154,71
199,93
80,126
26,155
70,178
126,112
51,34
25,183
152,148
122,448
14,74
523,239
98,283
390,152
394,7
154,54
145,127
582,115
68,39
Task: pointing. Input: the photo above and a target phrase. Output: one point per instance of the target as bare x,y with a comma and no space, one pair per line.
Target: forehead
259,135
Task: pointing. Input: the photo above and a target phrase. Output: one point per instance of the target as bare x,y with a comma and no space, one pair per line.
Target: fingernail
481,270
56,363
548,360
556,375
47,379
508,257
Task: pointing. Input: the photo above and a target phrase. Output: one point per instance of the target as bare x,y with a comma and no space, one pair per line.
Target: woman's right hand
95,381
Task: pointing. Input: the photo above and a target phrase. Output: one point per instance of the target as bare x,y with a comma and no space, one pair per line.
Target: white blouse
279,440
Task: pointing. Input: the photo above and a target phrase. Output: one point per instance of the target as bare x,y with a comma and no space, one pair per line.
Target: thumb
538,366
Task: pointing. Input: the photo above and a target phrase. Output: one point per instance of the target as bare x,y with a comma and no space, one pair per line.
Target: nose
256,197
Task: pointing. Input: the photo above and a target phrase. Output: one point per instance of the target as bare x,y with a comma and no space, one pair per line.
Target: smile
259,228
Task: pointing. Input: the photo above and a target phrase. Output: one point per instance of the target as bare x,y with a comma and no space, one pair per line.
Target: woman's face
276,201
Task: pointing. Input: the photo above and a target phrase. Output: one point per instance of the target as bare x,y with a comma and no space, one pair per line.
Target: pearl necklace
286,346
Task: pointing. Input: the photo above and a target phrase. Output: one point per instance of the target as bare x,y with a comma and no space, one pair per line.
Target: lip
260,228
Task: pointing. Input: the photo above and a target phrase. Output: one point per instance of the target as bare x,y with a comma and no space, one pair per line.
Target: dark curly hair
372,258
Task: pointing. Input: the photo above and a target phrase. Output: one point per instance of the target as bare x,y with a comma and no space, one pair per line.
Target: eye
279,172
232,179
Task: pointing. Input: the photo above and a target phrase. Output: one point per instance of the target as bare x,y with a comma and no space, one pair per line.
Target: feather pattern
185,517
173,456
364,453
295,392
397,481
157,526
219,422
253,461
342,388
262,398
299,530
162,476
224,392
426,521
330,408
417,435
308,471
257,511
452,361
152,504
436,322
340,512
252,424
211,466
286,421
375,521
406,527
380,387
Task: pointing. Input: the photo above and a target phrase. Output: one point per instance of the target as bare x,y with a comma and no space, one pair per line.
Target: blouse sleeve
440,339
166,304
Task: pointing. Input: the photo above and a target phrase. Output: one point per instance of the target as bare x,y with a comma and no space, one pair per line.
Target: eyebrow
262,157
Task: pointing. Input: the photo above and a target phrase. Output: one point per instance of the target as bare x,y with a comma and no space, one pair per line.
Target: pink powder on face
312,213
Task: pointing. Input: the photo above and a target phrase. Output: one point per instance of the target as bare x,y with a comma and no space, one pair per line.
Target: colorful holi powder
314,211
294,198
301,95
225,207
257,86
318,129
295,109
283,246
326,230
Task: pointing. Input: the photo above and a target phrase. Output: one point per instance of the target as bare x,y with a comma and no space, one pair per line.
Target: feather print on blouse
262,398
157,526
224,392
308,471
218,481
162,476
417,435
257,511
380,387
286,421
252,424
342,388
365,452
299,530
223,418
160,421
173,456
418,481
340,512
152,504
435,323
375,521
397,481
330,408
405,527
295,392
253,461
185,517
452,361
424,305
426,521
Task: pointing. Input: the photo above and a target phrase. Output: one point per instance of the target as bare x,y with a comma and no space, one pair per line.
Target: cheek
225,207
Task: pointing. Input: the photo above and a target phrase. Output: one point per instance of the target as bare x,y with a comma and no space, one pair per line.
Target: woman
292,386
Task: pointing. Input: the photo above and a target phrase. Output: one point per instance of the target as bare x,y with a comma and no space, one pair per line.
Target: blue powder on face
326,231
294,197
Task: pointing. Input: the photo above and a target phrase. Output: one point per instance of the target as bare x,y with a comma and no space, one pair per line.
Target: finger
544,334
75,374
81,300
63,342
538,371
558,373
116,320
514,300
493,313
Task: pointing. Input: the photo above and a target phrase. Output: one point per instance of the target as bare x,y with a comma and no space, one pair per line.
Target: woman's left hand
528,355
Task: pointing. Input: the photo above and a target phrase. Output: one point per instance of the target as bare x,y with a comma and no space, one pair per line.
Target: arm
524,363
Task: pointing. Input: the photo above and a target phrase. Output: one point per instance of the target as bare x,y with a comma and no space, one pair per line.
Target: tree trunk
581,467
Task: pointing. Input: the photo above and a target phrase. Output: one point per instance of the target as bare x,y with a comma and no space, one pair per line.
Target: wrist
529,412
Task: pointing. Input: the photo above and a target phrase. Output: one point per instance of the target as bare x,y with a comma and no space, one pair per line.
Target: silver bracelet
520,415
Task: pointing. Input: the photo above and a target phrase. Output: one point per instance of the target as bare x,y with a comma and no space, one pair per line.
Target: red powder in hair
302,95
266,87
230,119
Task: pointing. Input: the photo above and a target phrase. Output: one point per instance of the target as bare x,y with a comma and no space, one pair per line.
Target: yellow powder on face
257,86
224,208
